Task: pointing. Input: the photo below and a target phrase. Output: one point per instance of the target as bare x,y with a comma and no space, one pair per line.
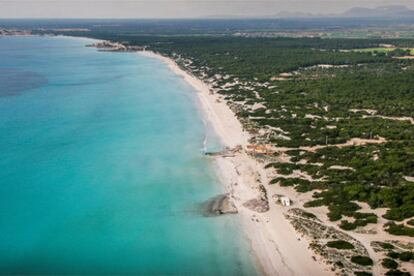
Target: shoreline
276,245
278,248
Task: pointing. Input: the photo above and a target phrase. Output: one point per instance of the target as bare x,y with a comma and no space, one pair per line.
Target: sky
177,8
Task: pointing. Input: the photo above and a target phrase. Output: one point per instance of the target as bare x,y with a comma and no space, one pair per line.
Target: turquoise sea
102,168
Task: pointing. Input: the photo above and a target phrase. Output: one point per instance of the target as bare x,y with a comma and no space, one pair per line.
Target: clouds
176,8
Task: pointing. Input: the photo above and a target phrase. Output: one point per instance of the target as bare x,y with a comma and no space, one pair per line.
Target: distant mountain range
386,12
381,12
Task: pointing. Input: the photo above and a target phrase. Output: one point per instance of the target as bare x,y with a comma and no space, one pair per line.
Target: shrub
274,181
371,219
346,225
397,272
340,244
309,215
386,245
339,264
303,188
399,230
393,255
358,215
389,263
400,213
362,260
362,273
334,216
314,203
360,222
406,256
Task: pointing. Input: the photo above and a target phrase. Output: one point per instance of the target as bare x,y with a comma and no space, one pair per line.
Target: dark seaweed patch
15,82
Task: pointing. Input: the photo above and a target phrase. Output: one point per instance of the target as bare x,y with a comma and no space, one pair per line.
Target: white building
285,201
282,200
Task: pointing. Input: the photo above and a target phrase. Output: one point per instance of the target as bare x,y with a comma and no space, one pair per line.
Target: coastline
125,218
275,243
278,247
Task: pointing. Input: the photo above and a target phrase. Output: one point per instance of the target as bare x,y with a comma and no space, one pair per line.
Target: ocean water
102,168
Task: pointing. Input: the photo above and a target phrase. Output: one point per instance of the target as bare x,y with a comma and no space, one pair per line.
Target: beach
273,237
278,248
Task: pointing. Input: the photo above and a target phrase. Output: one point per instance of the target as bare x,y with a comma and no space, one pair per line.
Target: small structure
226,152
282,200
285,201
260,149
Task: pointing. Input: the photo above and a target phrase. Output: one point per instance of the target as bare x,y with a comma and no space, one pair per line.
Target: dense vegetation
389,263
397,272
362,260
340,244
368,82
362,273
400,229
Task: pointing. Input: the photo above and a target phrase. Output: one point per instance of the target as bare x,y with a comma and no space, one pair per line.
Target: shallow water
102,167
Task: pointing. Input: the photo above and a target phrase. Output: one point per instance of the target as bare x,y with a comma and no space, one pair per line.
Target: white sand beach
277,246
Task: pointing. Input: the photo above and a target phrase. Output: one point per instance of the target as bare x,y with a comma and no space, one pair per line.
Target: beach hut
285,201
282,200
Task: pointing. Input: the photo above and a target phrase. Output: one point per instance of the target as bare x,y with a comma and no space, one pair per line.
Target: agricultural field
385,50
